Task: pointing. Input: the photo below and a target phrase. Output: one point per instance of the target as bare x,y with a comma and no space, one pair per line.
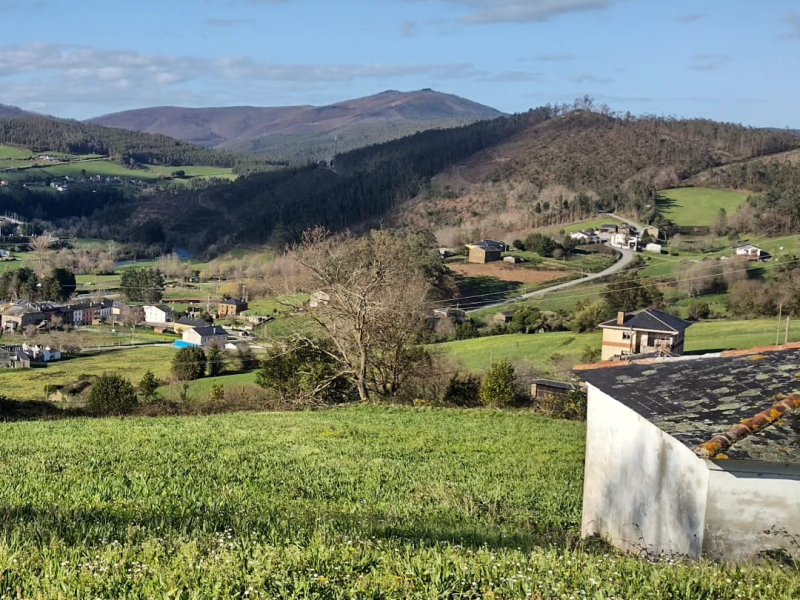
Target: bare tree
374,304
40,246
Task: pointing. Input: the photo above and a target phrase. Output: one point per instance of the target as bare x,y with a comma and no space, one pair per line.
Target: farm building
231,307
542,388
205,337
645,331
695,455
14,357
585,237
750,251
485,251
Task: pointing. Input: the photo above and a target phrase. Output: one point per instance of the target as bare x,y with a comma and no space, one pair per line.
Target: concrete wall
642,487
746,499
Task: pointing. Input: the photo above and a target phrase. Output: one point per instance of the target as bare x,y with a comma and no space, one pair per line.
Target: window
626,335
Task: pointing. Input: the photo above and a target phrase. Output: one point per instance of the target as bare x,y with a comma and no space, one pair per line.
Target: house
645,331
19,317
654,248
157,313
205,337
319,298
625,240
695,456
585,237
543,388
503,318
14,357
185,323
125,313
608,228
512,259
42,354
485,251
4,253
231,307
751,252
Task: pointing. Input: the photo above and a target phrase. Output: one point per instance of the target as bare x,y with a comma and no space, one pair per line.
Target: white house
158,313
625,240
205,337
695,456
585,237
39,353
750,251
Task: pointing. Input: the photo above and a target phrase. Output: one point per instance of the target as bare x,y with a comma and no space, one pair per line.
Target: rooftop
697,398
234,302
650,319
210,330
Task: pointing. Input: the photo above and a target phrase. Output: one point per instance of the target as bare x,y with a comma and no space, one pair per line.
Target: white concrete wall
746,499
642,487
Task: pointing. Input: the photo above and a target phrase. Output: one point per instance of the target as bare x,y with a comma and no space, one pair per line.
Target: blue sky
732,60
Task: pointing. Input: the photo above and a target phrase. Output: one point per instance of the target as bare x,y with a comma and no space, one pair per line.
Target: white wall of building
745,500
642,487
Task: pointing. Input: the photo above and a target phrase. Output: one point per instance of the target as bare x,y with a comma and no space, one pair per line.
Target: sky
730,60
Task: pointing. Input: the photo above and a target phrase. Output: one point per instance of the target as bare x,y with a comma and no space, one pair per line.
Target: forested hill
302,134
14,112
596,161
124,147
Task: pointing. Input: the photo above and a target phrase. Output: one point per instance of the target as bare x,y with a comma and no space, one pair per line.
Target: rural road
624,261
638,226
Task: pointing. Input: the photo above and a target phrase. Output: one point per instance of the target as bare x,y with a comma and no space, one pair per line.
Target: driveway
625,260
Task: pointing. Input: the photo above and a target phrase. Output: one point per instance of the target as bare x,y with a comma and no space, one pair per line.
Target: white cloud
524,11
588,78
793,21
708,61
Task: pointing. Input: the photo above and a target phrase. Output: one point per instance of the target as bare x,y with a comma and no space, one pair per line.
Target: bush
215,361
111,394
499,387
518,244
148,387
540,244
463,391
571,406
189,363
590,354
699,310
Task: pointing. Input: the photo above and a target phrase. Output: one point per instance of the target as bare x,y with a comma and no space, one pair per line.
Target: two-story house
647,331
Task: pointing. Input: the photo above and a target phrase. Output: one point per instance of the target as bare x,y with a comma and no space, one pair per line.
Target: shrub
571,406
463,391
217,393
215,361
189,363
111,394
589,354
148,387
699,310
499,387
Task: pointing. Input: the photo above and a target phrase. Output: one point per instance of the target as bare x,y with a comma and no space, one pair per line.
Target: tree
699,310
40,245
463,391
720,225
540,244
111,394
588,315
499,386
527,319
749,299
302,371
148,387
378,287
215,360
246,358
627,293
59,286
189,363
142,284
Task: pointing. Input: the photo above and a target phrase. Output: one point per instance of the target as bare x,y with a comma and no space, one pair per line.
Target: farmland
537,350
698,206
351,503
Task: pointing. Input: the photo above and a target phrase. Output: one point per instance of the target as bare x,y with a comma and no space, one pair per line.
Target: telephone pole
778,332
786,337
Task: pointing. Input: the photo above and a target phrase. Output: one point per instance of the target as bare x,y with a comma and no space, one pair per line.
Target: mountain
302,133
14,112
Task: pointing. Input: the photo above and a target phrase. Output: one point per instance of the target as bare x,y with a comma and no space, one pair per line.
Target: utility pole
786,337
778,332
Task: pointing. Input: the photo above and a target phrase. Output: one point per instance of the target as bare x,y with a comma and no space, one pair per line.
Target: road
625,260
639,226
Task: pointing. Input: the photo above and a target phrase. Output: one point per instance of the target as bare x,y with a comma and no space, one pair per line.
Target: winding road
625,260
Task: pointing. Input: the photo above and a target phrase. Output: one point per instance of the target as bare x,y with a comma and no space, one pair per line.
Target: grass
698,206
350,503
13,153
29,384
536,350
201,388
107,168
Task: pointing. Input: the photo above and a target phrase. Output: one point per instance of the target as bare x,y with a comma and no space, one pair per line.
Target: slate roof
210,330
650,319
234,302
696,398
489,245
563,385
191,322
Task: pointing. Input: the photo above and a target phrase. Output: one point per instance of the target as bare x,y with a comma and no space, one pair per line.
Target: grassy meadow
537,350
350,503
698,206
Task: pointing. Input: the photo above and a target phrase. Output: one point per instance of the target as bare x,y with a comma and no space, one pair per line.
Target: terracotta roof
650,319
722,405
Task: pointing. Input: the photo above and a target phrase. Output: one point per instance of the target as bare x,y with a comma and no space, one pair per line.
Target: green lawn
13,153
536,350
351,503
201,388
107,168
698,206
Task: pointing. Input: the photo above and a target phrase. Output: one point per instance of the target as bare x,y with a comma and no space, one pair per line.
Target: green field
29,384
536,350
349,503
698,206
12,153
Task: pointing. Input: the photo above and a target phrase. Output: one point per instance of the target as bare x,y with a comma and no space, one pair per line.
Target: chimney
621,318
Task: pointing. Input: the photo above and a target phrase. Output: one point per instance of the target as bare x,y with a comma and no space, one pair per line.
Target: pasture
537,350
698,206
350,503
